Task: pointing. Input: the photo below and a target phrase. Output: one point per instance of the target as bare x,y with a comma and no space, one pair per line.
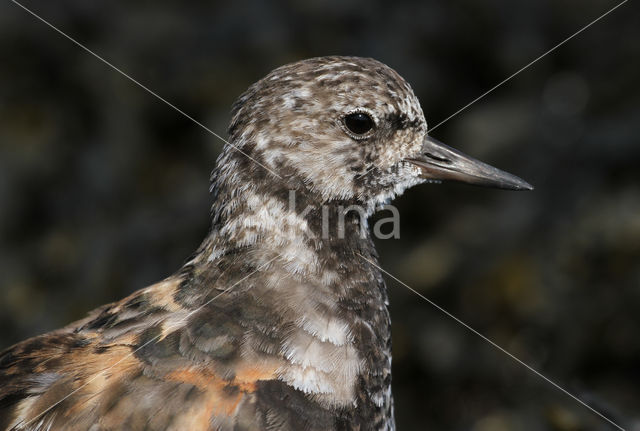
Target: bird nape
277,322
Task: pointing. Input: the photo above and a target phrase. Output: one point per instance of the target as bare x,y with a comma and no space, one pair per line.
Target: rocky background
103,189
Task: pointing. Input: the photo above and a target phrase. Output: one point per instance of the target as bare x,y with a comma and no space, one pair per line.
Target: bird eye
358,123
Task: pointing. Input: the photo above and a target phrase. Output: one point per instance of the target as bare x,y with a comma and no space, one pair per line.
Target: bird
279,320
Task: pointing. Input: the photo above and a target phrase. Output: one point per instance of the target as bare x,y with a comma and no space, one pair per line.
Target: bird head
348,128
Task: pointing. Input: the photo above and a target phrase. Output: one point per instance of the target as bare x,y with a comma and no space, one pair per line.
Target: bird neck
250,214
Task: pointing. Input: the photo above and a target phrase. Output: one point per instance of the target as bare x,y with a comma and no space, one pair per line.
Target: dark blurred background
103,189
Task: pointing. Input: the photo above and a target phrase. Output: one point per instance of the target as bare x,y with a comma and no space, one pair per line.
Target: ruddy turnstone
279,321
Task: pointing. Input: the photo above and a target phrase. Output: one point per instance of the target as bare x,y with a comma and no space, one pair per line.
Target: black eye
358,123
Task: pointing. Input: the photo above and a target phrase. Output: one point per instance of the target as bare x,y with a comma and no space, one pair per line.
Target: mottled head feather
292,121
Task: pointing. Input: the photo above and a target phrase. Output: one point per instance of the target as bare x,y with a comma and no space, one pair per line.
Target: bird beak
441,162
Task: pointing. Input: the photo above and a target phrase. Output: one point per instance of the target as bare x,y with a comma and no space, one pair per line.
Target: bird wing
135,364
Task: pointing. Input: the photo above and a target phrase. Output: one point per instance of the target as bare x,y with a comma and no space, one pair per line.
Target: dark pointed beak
441,162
